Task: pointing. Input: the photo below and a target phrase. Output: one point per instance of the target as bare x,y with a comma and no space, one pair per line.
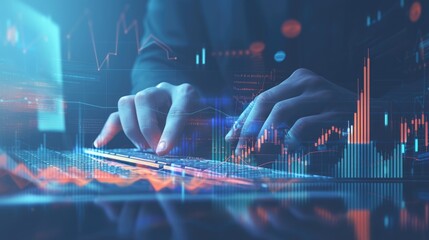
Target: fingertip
237,153
109,130
228,136
97,142
161,149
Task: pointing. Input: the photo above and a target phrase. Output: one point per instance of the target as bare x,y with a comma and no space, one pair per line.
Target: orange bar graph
406,131
361,121
416,124
368,102
359,131
364,101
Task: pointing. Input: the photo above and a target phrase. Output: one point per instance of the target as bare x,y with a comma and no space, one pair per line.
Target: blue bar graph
203,56
416,145
386,119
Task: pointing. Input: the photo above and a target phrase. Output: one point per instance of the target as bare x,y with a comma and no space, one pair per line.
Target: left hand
305,103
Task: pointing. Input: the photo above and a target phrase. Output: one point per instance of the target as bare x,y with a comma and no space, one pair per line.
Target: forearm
166,44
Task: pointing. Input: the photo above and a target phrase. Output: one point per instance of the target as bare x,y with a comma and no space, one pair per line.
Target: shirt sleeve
171,31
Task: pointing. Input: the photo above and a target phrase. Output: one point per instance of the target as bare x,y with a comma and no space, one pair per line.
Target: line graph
122,27
81,176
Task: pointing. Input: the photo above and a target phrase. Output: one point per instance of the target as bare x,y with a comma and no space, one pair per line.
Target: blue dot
280,56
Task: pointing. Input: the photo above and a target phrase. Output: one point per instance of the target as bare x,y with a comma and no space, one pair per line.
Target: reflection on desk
327,210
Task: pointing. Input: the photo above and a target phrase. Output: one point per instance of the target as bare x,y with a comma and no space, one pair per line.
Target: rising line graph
122,27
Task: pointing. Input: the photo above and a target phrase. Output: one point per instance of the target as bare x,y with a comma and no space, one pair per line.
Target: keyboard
196,167
134,169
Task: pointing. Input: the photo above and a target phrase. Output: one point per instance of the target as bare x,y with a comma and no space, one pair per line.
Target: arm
163,98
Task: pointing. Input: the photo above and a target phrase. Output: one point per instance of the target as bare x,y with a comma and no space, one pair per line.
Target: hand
305,103
155,117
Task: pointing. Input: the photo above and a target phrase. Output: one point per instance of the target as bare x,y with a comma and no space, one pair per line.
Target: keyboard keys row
189,166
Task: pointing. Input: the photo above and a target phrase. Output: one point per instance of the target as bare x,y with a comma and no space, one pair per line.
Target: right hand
155,117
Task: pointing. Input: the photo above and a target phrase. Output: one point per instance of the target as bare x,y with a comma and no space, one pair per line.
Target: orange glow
408,220
78,177
361,222
327,215
12,35
262,214
415,11
291,28
257,48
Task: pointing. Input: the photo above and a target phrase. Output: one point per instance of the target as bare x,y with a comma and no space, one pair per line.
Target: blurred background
98,48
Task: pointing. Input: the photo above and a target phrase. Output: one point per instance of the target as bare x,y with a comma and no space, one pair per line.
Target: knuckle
278,107
148,92
186,89
163,85
302,71
125,101
145,94
186,85
264,98
302,123
304,76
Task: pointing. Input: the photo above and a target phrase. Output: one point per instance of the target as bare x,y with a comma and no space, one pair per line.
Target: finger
148,104
291,87
254,121
184,97
307,129
285,113
128,118
110,129
234,132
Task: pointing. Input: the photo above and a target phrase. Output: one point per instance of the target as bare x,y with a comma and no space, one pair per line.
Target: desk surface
297,210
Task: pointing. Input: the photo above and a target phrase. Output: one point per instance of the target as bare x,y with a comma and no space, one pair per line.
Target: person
323,60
